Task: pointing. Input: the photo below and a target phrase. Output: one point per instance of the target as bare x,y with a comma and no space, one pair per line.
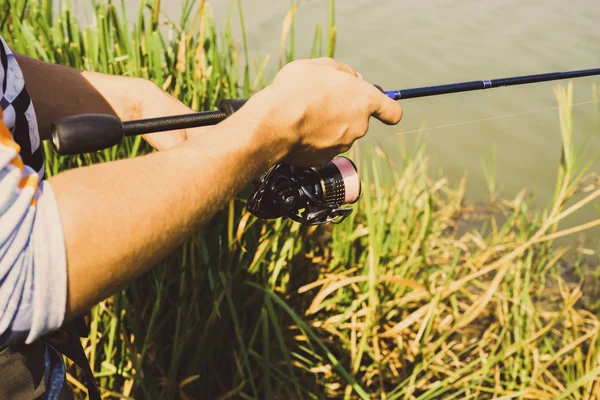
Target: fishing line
492,118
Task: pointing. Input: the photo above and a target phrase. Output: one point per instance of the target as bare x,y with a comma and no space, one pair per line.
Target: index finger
382,107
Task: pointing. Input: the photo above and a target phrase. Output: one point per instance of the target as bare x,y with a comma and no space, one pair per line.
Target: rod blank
486,84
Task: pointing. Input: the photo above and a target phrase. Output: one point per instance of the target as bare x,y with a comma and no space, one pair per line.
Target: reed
418,295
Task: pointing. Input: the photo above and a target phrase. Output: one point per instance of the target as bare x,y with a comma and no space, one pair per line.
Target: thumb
384,108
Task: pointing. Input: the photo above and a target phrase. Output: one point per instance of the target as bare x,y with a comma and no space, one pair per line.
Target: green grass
418,295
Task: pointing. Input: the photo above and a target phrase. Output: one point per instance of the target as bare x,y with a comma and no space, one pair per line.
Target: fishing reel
308,195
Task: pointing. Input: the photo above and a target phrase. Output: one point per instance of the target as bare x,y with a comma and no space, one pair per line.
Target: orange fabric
6,139
17,162
30,180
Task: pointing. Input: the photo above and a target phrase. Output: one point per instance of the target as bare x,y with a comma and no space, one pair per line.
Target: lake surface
402,44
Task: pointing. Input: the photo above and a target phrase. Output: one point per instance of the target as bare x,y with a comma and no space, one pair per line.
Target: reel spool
310,196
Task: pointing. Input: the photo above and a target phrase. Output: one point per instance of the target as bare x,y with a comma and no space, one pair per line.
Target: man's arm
138,210
120,218
58,91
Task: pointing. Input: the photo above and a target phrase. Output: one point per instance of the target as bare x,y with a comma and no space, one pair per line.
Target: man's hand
319,108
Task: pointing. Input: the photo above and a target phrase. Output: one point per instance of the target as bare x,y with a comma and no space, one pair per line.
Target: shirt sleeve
33,275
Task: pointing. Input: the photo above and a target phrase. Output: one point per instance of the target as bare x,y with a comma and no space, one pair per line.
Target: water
400,44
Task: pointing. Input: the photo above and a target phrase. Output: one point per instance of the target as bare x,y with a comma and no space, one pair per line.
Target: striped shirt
32,251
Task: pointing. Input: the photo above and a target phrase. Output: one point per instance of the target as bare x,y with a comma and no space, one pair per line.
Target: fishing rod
310,196
87,133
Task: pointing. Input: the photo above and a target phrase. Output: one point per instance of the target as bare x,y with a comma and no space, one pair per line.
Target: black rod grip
86,133
172,123
185,121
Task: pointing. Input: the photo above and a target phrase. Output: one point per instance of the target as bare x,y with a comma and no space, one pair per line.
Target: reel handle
86,133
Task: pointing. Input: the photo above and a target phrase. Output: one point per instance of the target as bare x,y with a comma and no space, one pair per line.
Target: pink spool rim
350,177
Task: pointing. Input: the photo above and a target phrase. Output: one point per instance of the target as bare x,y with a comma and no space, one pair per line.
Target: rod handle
86,133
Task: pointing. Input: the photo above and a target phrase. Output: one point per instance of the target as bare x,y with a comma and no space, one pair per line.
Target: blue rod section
486,84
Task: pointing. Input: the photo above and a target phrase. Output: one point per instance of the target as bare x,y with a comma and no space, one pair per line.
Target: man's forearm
138,210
